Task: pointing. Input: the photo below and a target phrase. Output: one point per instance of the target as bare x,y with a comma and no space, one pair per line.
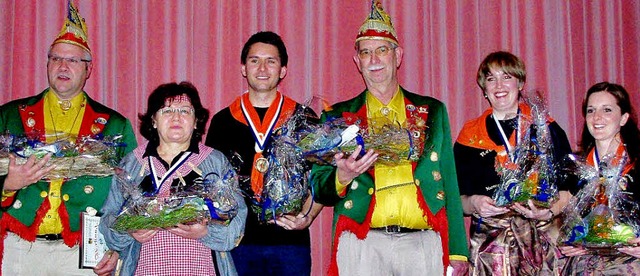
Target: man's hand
190,231
350,167
290,222
20,176
460,268
143,235
485,206
108,264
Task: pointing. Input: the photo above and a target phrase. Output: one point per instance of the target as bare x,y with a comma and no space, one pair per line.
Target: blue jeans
274,260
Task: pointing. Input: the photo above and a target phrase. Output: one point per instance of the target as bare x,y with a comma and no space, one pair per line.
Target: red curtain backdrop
138,44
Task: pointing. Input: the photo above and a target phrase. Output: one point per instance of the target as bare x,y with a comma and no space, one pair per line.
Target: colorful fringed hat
377,26
74,30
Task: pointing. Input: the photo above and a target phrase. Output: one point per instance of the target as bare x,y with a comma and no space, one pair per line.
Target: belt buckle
391,229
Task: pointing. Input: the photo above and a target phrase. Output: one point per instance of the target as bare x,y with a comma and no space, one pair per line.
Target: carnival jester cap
377,26
74,30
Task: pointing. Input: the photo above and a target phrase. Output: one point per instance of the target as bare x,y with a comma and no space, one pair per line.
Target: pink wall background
138,44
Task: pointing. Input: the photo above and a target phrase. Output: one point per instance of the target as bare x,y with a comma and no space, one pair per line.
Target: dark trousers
276,260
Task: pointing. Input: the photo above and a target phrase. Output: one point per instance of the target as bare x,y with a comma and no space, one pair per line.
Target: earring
485,96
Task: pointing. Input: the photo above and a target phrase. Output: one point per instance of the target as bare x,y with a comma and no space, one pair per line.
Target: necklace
53,121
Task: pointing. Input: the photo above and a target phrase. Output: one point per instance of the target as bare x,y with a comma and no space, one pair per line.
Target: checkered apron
169,254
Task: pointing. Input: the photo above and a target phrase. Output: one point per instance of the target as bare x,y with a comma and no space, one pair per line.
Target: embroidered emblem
101,121
440,195
434,156
95,129
436,175
411,107
31,122
88,189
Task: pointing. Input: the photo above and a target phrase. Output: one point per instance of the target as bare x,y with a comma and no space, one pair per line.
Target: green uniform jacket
23,212
434,174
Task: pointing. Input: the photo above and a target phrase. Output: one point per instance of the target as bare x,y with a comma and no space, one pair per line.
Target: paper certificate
92,245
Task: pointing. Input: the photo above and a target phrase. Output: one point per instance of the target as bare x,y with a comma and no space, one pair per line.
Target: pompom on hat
377,26
74,30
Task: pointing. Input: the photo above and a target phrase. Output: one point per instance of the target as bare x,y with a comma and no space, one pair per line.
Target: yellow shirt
396,193
66,126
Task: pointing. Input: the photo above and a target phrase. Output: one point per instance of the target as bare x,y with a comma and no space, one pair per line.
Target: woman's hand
633,250
572,251
143,235
107,264
190,231
485,206
532,212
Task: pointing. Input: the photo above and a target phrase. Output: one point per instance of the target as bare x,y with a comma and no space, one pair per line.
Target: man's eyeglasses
71,61
182,111
380,52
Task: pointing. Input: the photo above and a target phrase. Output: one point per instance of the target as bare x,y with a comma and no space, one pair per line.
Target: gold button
354,185
434,156
43,194
370,191
17,204
440,195
65,197
436,175
348,204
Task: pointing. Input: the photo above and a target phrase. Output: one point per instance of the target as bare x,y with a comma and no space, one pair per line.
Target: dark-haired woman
174,155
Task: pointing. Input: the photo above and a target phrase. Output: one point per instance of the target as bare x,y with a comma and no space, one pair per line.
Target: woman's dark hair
629,132
270,38
157,101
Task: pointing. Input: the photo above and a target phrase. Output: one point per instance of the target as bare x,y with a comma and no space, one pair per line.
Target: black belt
50,237
389,229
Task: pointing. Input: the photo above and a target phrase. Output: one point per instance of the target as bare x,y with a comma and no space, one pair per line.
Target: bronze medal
262,164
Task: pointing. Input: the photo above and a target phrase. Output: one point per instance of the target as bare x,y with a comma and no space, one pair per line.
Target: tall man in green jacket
40,219
403,218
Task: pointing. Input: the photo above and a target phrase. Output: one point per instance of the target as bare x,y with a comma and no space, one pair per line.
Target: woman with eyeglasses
173,156
610,134
510,239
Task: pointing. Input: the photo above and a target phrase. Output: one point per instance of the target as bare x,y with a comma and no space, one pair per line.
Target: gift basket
603,215
285,183
394,143
210,198
528,171
72,156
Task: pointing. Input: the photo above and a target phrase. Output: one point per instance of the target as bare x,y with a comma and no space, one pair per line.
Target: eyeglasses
182,111
380,52
71,61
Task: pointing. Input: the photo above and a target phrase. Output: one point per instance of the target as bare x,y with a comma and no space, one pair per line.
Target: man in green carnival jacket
393,217
40,219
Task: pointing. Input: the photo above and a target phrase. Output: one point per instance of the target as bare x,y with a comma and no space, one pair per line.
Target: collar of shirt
396,108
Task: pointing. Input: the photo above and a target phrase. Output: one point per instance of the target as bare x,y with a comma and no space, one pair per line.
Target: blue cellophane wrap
529,171
72,156
210,199
602,215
